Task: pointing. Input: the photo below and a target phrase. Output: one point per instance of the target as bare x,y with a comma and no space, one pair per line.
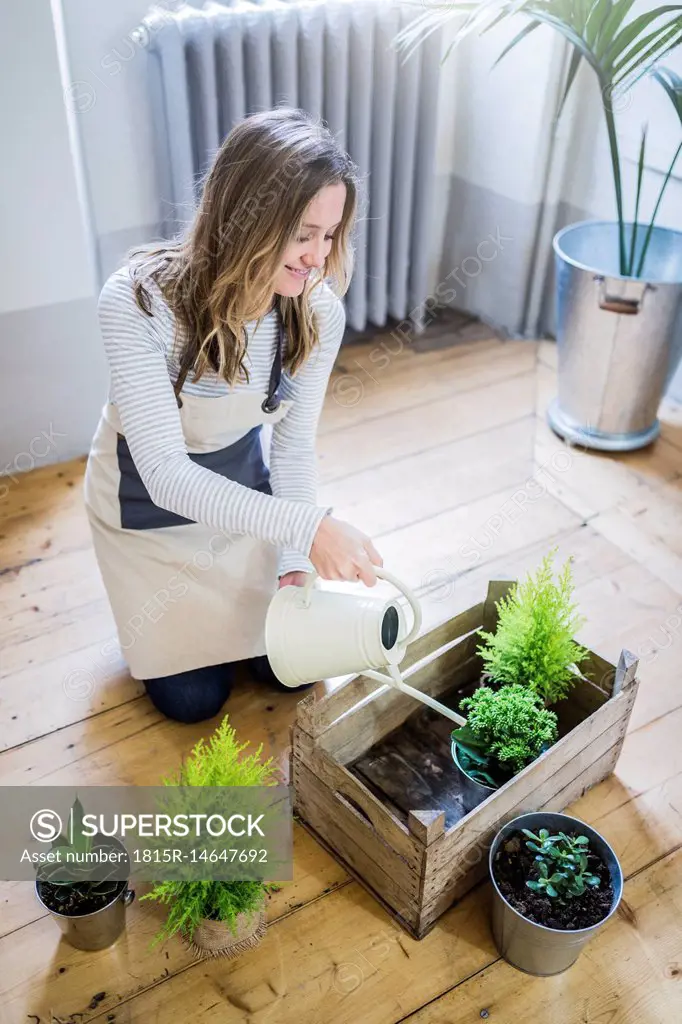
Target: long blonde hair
220,275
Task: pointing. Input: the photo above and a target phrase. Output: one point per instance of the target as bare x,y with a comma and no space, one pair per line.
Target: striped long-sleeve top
142,353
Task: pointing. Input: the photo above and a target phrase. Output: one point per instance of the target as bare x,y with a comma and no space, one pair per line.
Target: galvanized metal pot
102,927
473,793
531,947
619,338
99,929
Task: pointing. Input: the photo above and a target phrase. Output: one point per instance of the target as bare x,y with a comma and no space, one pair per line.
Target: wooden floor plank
118,747
378,500
362,390
595,482
40,587
45,974
39,489
341,959
629,973
420,428
430,552
446,459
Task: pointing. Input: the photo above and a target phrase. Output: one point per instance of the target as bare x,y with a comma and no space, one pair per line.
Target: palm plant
619,51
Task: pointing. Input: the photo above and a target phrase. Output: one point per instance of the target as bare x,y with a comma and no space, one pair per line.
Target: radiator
212,64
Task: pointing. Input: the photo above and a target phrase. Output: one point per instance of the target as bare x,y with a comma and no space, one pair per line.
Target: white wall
49,351
43,241
107,66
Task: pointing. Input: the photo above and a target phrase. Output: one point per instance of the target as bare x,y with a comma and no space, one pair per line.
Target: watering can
313,634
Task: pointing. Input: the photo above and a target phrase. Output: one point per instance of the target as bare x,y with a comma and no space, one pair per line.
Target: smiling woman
208,338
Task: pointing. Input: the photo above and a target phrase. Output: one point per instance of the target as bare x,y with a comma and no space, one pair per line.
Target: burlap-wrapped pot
216,938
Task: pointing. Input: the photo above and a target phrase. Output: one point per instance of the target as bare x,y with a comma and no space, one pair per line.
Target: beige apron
184,595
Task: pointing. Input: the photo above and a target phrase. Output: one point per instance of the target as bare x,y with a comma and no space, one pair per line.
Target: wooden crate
375,783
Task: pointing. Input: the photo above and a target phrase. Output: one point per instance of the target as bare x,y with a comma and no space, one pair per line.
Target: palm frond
619,12
633,30
640,175
620,52
644,53
672,84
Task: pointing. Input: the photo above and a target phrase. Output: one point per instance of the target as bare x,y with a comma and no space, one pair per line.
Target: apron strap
272,400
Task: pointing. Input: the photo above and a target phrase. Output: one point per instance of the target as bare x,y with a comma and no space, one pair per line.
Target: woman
208,339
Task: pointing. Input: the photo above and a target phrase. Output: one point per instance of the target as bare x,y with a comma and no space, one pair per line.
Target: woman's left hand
293,579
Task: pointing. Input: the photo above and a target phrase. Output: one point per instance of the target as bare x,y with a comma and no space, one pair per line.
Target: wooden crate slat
336,778
583,700
364,870
626,672
427,826
497,589
599,671
349,737
316,714
354,842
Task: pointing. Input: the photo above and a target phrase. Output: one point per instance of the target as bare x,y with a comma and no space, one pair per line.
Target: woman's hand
341,552
293,579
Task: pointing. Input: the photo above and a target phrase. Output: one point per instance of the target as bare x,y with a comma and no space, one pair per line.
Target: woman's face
313,245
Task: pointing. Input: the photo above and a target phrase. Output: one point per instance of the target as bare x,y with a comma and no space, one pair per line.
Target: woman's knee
191,696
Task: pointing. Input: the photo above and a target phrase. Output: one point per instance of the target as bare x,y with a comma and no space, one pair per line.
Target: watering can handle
383,574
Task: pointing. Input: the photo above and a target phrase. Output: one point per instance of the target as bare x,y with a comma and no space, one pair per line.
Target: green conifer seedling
533,643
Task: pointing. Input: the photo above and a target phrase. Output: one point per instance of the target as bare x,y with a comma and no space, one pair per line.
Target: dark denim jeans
200,694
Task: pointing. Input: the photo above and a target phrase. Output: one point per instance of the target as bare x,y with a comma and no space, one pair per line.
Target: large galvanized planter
375,783
619,338
535,948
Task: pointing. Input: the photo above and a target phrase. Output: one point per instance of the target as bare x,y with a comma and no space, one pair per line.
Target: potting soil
515,865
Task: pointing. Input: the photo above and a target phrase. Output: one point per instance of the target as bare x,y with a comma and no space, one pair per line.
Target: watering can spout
313,634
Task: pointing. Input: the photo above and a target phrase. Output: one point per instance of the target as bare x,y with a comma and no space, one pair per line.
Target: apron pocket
241,462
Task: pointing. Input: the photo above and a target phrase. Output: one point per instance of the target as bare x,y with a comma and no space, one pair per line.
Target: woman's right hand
341,552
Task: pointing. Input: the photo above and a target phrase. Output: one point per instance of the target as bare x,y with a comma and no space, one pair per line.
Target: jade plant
561,865
533,644
223,761
506,729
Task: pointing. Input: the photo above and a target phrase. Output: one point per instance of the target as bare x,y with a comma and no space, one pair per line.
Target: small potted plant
556,882
506,730
533,643
88,906
217,918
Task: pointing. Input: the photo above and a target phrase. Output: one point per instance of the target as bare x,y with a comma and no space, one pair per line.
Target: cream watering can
313,634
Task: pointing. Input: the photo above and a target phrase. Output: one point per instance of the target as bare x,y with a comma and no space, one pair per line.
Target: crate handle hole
349,802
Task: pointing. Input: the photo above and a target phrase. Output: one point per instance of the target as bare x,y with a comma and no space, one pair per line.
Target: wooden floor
425,452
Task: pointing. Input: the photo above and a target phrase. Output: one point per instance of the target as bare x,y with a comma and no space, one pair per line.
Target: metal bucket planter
101,928
216,938
619,338
531,947
473,792
98,929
